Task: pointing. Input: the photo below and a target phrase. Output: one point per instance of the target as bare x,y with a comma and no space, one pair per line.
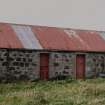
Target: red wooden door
44,66
80,66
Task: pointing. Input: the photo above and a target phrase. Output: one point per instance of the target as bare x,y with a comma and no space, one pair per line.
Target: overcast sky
83,14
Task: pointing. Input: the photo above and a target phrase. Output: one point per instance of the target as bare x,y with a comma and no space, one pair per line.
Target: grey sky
85,14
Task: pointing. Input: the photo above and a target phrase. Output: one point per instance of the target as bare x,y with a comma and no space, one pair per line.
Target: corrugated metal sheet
77,39
67,39
26,36
51,38
102,34
93,40
8,38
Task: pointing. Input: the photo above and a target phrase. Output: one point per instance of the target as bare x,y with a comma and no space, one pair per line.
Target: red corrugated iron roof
67,39
8,38
93,40
50,38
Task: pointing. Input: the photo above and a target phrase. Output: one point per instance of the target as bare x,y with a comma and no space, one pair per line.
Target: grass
62,92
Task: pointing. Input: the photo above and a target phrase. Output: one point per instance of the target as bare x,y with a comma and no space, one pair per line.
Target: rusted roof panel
8,37
50,38
68,39
93,40
26,36
78,42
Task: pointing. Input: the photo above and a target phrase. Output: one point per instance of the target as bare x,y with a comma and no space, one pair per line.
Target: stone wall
18,65
61,64
25,64
95,65
3,63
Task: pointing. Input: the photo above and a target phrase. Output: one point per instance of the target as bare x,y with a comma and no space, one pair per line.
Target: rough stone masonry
25,64
20,64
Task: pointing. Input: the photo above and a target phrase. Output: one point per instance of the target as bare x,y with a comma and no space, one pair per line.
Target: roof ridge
77,29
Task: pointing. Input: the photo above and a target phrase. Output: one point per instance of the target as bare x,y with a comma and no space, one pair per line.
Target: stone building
38,52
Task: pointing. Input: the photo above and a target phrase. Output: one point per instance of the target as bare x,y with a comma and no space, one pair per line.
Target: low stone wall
19,65
61,64
95,65
3,64
25,64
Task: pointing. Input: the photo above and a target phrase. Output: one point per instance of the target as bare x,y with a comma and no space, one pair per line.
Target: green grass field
62,92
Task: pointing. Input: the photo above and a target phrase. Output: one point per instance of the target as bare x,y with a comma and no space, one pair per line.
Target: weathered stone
61,64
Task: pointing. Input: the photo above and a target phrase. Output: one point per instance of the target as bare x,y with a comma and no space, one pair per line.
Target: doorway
44,66
80,66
